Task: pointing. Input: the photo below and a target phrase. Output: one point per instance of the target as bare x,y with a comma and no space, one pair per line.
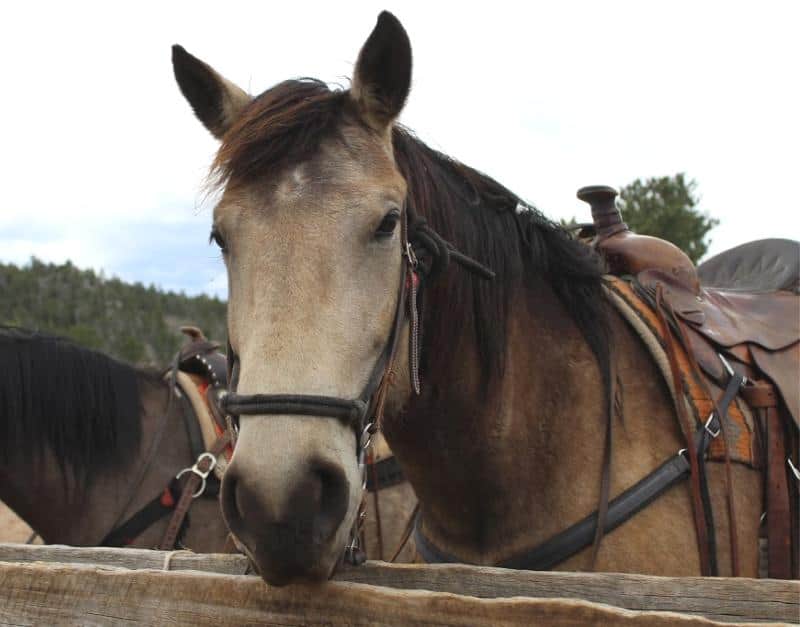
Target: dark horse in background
87,441
338,228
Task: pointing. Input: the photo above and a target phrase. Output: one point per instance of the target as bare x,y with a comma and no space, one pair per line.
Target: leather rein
424,254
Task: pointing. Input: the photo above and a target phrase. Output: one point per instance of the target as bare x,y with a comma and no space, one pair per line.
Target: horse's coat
505,443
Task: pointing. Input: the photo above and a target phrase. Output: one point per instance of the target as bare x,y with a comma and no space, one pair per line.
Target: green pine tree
666,207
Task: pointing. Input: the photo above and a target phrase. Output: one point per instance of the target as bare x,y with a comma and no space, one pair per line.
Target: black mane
80,404
286,125
493,225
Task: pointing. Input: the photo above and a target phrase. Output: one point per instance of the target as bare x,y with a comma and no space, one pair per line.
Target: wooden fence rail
101,586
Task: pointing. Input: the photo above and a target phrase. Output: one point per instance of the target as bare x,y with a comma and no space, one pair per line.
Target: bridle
425,254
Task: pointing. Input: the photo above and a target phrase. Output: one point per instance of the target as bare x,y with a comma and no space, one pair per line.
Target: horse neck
67,510
485,463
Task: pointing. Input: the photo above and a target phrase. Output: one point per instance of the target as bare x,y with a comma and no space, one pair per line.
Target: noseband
425,254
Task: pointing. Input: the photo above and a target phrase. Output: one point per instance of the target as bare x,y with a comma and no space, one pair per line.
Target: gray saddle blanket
761,266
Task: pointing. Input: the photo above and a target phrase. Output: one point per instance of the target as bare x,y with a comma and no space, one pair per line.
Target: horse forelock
280,129
80,404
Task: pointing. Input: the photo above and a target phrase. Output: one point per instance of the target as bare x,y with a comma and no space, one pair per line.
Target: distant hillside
132,322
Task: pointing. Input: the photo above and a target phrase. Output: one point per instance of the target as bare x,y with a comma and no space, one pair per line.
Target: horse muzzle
290,532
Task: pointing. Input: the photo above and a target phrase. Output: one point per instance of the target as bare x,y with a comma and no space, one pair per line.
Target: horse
87,442
78,428
352,248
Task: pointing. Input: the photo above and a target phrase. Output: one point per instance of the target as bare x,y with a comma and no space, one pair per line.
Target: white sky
102,161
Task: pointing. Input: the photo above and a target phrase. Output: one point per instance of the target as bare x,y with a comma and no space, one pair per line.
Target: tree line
132,322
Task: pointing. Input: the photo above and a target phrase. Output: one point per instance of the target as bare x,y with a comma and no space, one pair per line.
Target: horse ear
382,78
215,100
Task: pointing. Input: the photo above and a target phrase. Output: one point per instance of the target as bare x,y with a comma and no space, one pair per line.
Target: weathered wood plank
37,593
718,598
721,599
223,563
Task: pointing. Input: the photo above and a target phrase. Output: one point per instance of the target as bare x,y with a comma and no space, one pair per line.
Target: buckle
410,255
731,371
203,474
709,429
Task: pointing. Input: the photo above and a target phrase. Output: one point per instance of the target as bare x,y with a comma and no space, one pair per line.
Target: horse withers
338,228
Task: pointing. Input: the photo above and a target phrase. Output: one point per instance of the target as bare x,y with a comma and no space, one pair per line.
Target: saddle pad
739,426
193,387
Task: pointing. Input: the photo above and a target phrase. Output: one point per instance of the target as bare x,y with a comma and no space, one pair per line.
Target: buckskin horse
530,405
90,446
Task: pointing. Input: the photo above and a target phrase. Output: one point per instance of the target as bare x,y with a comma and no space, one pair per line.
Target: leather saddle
201,357
738,314
743,304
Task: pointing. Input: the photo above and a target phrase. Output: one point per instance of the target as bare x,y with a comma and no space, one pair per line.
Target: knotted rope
434,253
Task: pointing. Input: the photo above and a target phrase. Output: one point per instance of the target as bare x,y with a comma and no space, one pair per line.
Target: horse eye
388,224
216,237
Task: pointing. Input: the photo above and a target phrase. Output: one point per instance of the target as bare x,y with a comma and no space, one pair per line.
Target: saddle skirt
758,333
741,431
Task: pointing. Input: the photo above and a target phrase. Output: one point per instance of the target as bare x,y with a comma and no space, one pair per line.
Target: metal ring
211,464
202,487
366,433
200,473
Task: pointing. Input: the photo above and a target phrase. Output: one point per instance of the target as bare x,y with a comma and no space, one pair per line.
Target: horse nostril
328,490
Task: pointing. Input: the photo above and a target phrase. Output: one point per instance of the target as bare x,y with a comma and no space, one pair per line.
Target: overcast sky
102,161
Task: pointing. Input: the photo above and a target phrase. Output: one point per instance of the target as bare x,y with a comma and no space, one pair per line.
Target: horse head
310,223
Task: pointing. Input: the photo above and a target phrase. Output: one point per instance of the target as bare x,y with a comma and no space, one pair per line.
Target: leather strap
605,474
698,503
190,488
150,514
710,431
349,411
384,474
580,535
372,473
762,398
